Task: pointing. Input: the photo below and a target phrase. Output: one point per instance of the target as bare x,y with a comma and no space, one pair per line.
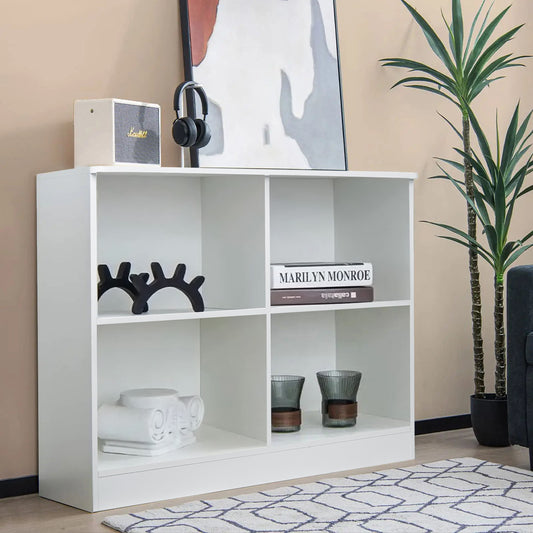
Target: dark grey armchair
520,356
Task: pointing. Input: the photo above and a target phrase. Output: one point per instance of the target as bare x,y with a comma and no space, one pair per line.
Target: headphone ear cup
204,133
184,131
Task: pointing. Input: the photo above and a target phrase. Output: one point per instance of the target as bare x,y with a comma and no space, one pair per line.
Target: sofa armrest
519,372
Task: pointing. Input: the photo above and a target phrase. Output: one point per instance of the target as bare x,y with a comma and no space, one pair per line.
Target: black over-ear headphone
186,131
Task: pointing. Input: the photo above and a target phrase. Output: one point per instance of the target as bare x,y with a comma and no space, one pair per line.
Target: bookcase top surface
274,173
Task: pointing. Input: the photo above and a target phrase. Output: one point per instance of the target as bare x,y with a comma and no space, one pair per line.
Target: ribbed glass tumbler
339,396
286,414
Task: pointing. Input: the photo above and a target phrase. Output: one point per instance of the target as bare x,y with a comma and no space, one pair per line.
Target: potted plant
470,62
498,183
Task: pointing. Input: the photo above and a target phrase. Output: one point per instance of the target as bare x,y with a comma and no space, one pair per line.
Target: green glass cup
339,396
285,396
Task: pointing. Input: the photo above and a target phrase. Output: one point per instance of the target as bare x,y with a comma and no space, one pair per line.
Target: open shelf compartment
223,360
194,220
373,341
345,220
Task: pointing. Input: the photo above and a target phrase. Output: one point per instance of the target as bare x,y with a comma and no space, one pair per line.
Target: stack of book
320,283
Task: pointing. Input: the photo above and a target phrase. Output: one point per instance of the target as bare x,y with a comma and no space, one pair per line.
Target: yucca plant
498,184
470,63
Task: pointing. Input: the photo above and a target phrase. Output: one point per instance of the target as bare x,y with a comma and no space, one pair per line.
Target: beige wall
54,52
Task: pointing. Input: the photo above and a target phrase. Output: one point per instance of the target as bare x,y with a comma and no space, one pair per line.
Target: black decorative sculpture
138,288
122,281
146,290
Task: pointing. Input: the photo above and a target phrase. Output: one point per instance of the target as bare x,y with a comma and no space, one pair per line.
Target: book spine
321,296
302,276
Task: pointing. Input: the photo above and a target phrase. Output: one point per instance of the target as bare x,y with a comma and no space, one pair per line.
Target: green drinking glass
285,396
339,396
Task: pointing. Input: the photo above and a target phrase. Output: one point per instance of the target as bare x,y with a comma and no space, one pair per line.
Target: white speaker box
110,131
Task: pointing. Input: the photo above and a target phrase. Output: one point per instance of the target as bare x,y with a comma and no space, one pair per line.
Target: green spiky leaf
432,38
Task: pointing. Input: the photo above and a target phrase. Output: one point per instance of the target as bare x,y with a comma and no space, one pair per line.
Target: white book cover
304,275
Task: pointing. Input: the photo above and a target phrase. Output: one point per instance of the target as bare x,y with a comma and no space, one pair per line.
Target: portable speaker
110,131
186,131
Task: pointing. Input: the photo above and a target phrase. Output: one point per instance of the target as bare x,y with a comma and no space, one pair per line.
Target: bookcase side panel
377,343
142,219
372,223
233,236
301,220
234,375
66,277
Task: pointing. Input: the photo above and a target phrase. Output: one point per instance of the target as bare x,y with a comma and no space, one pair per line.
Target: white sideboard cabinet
227,225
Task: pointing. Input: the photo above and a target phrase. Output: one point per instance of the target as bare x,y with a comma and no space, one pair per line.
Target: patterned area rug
466,495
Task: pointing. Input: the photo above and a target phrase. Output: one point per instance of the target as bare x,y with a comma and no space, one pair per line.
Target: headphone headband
190,85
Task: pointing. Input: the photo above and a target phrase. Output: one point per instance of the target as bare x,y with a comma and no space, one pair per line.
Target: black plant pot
489,420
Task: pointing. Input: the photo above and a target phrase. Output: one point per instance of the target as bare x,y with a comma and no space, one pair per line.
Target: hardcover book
307,275
324,295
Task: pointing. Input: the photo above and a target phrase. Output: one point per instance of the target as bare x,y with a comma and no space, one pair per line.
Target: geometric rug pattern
464,494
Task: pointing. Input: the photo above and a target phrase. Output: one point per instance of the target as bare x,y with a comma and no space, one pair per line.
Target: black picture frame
183,6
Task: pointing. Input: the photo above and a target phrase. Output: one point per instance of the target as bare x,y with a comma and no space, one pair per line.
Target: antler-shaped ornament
146,290
121,281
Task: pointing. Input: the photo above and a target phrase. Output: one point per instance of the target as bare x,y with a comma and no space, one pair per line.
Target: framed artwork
270,69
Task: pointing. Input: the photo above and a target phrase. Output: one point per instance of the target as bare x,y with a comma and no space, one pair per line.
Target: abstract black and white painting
270,69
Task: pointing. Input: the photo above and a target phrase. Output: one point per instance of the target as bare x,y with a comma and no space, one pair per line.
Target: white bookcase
227,225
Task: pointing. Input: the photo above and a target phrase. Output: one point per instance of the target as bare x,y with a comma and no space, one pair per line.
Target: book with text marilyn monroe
324,295
307,275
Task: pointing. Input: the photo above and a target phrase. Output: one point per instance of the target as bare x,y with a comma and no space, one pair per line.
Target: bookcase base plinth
254,469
